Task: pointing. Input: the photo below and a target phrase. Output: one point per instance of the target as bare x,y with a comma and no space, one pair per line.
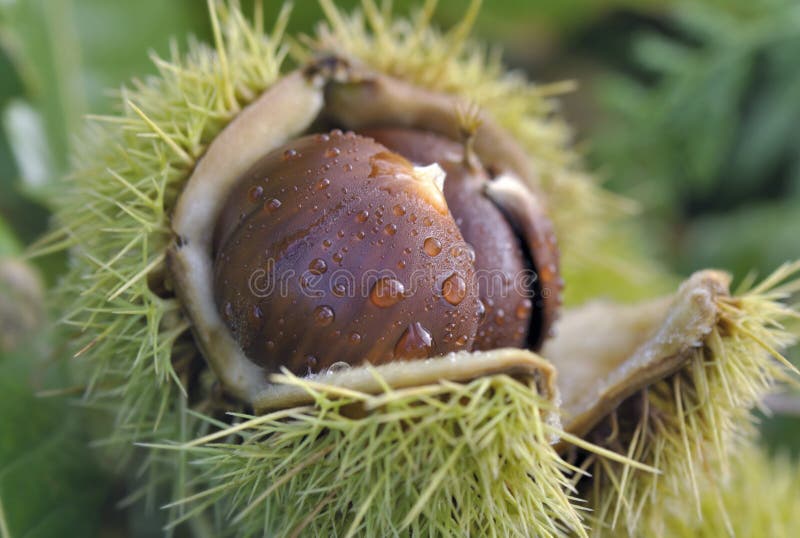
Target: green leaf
759,237
43,46
49,484
8,243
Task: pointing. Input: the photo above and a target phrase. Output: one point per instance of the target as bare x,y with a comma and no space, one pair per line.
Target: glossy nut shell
322,255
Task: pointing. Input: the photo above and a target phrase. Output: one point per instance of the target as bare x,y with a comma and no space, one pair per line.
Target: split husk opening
673,380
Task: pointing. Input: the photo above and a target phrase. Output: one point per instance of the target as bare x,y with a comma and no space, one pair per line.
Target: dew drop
339,366
332,152
290,154
470,252
323,184
387,292
481,309
465,250
399,210
322,138
228,310
415,343
355,338
523,309
270,345
462,340
257,312
427,221
323,315
401,264
272,205
255,193
500,317
317,266
432,246
362,216
348,167
390,229
454,289
311,363
338,257
548,272
326,243
339,290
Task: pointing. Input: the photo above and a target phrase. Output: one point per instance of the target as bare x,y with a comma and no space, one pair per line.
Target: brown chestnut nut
512,271
334,249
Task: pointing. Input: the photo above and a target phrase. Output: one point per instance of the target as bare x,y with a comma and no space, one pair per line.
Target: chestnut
333,249
517,275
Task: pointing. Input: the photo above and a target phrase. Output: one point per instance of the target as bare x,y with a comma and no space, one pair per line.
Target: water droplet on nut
317,266
272,205
255,193
454,289
324,315
524,309
387,292
415,343
339,366
432,246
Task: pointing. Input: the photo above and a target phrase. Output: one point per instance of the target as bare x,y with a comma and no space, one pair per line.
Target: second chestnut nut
335,248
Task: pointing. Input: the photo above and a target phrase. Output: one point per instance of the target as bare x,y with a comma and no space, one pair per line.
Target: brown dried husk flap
606,352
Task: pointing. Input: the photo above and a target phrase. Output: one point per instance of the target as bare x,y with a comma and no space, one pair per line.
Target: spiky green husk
136,360
694,422
445,459
113,212
761,498
132,349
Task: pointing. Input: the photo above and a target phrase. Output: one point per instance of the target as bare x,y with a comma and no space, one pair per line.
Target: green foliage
710,123
8,243
49,485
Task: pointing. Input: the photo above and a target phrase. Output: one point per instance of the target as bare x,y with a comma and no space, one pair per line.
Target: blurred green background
691,108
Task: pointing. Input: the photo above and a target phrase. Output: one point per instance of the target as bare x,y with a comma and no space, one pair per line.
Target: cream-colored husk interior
605,352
